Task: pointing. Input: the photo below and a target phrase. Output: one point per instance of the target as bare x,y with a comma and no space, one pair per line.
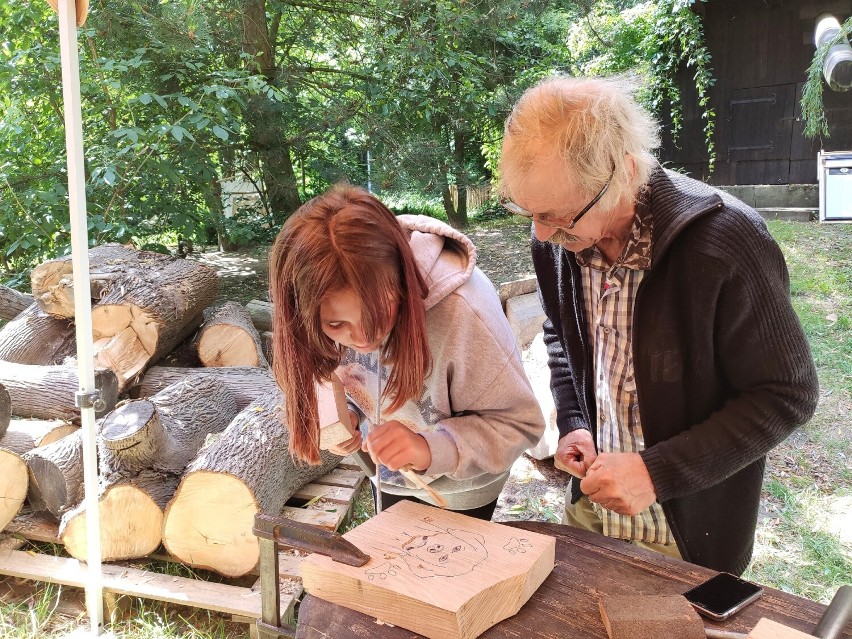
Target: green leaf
220,133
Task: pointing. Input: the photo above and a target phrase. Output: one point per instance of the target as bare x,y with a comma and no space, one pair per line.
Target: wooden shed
761,52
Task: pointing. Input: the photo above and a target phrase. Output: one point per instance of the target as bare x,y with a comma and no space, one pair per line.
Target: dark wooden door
760,127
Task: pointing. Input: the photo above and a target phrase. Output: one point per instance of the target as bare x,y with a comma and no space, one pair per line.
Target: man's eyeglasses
510,206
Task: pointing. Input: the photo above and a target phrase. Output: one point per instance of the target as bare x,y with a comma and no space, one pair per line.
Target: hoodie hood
445,256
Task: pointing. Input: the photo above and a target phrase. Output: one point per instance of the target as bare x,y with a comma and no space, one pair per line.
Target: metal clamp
91,399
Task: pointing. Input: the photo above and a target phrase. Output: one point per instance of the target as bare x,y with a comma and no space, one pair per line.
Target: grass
807,499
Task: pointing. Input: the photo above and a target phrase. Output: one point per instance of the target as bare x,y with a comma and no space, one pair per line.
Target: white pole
369,177
82,301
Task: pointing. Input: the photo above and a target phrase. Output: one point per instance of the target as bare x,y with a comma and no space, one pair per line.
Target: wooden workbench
566,605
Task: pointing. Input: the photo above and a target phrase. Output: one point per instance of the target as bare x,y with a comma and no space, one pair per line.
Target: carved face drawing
444,554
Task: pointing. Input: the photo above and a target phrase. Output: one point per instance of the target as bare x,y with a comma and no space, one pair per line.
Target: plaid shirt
609,293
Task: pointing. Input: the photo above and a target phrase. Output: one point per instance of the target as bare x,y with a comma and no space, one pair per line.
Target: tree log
228,338
261,314
146,303
144,447
56,475
5,410
13,473
34,337
42,432
246,470
12,302
47,392
247,383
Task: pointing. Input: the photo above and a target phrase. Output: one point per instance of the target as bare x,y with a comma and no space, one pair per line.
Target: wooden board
768,629
449,575
139,583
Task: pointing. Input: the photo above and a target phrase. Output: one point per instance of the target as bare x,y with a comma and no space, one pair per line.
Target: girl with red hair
397,308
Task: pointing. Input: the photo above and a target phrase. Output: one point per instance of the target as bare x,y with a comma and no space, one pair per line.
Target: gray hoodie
477,410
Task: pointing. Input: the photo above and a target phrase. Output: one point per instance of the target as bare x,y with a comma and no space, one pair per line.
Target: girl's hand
394,445
349,446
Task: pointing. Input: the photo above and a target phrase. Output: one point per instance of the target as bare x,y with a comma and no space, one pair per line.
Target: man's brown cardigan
723,369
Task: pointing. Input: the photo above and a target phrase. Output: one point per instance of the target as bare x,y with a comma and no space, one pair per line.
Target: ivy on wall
678,39
813,111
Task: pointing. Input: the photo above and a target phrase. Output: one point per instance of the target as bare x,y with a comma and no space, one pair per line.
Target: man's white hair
592,124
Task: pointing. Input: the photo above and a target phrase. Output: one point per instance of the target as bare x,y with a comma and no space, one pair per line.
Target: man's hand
394,445
619,482
351,445
575,452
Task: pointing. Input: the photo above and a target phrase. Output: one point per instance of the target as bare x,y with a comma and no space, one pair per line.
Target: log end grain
226,345
123,426
209,524
131,525
13,485
48,491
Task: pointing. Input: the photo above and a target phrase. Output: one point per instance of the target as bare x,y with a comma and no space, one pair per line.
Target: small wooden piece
334,423
438,573
768,629
644,616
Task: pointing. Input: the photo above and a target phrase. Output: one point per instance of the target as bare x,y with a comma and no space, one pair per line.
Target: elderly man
677,361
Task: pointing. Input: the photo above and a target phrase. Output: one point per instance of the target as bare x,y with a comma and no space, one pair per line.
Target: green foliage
444,75
610,39
678,39
813,112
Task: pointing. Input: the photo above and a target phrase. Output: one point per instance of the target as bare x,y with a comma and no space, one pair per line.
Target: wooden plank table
566,605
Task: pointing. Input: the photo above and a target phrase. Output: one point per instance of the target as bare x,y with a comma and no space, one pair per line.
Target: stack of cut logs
191,458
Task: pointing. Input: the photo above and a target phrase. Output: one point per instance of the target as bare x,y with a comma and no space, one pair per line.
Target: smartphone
723,595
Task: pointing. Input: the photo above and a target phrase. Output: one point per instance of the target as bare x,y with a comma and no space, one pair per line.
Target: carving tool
406,471
377,423
412,476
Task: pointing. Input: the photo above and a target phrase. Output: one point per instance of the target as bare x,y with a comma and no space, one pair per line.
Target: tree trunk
13,473
261,314
228,338
47,392
144,447
247,383
56,475
5,410
12,302
146,303
267,132
34,337
246,470
460,140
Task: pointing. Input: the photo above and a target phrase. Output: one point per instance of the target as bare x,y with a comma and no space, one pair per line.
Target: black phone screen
722,593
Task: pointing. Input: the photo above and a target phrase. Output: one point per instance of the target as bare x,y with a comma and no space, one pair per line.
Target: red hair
345,239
